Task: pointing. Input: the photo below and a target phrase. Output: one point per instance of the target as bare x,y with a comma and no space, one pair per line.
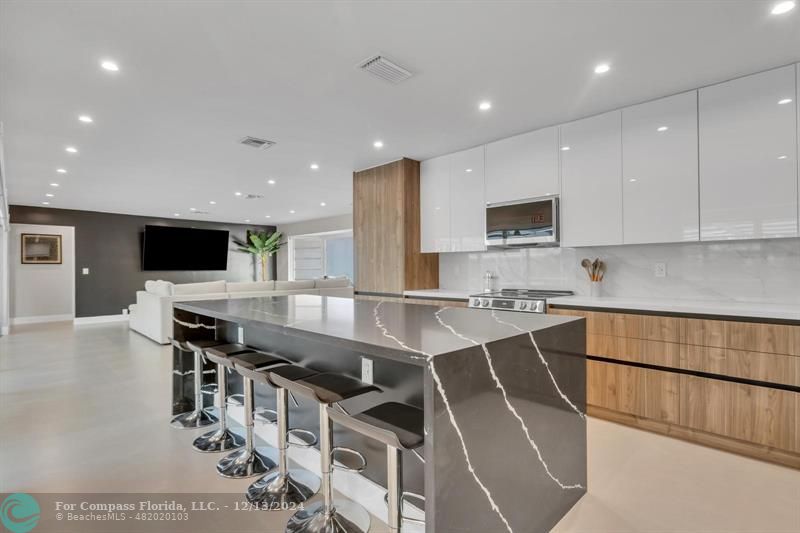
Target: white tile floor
85,410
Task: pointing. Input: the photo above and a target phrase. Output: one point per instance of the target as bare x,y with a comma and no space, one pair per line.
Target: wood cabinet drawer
769,367
755,414
641,351
648,327
745,336
636,391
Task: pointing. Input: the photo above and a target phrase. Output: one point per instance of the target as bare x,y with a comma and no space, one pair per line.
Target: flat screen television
171,248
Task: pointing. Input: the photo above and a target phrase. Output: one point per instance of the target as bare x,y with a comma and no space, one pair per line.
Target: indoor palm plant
261,245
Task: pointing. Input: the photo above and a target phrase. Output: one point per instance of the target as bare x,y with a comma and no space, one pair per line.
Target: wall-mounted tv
171,248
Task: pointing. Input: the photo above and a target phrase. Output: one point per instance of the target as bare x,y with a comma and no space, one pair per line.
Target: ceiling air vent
253,196
379,66
255,142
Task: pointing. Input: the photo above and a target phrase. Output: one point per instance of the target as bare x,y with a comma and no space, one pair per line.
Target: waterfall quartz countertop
405,332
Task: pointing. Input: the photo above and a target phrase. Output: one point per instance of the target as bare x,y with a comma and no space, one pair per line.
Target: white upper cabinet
659,171
467,201
748,157
435,204
524,166
452,202
591,181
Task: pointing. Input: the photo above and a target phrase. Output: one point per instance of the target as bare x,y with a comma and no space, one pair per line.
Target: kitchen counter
373,327
441,294
503,396
746,311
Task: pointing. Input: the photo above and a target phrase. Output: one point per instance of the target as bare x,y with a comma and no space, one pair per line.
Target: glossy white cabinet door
435,204
591,181
524,166
748,157
659,171
467,201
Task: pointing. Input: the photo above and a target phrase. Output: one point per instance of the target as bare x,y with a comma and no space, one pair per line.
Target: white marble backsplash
743,271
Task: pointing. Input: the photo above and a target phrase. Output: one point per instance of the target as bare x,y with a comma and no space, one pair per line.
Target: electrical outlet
367,369
124,311
660,270
240,335
85,271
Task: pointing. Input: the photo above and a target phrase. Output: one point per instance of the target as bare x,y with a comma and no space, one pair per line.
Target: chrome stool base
221,440
276,490
193,420
344,517
245,463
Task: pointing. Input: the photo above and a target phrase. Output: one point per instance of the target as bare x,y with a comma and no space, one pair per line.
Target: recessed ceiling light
785,101
783,157
267,216
54,184
109,65
71,149
602,68
85,118
468,170
271,182
61,170
314,166
485,106
247,220
291,211
564,148
378,144
632,180
662,128
212,202
192,209
176,214
50,195
322,204
237,193
45,203
782,7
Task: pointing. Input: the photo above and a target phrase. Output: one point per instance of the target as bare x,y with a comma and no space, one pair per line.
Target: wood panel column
386,231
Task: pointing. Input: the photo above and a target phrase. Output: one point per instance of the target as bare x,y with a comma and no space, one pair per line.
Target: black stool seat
288,372
251,364
405,422
201,345
330,387
221,354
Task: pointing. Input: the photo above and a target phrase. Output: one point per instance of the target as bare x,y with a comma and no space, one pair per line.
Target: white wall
4,285
746,271
319,225
41,292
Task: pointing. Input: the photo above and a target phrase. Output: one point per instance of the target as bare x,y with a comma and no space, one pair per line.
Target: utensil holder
595,289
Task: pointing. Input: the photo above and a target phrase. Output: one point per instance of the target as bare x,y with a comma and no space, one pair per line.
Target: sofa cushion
198,288
330,283
251,286
159,287
294,285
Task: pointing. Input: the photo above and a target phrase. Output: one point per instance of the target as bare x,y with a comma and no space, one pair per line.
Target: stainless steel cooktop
522,300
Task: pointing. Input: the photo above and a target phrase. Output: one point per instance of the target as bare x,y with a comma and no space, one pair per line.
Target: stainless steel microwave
531,222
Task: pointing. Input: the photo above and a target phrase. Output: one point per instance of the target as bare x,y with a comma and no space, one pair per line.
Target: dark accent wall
109,245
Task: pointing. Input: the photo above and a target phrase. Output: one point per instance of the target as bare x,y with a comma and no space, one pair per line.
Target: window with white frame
321,254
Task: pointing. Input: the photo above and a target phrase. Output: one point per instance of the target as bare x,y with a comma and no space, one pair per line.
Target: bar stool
251,460
329,515
284,487
222,439
199,417
399,427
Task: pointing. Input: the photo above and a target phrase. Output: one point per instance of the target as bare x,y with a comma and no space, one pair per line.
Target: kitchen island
504,395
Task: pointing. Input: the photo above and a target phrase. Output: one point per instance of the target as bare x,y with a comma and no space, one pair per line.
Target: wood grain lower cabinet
721,383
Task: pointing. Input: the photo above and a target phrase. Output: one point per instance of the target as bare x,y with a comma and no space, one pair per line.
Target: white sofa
151,315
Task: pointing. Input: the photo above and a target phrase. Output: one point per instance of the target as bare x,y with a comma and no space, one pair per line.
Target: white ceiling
197,76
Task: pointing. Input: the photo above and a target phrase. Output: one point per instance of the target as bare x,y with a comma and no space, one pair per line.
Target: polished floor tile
86,409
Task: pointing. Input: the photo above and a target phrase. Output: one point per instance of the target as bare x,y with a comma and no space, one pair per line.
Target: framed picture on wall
39,249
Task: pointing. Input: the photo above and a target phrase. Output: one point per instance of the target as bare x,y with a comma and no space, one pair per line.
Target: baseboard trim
80,321
40,319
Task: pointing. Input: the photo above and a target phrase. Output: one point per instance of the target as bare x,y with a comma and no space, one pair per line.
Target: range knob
485,302
476,302
523,305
